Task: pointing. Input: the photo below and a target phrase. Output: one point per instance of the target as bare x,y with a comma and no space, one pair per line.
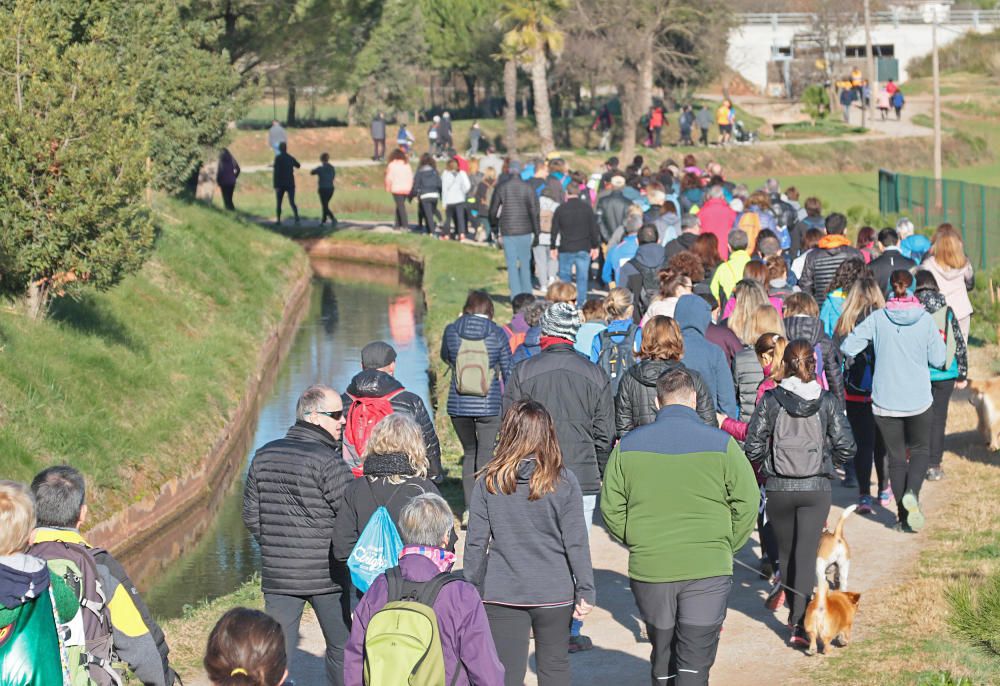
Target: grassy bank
133,385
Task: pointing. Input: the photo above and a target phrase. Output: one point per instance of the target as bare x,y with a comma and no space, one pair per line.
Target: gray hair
312,400
59,494
690,221
740,190
426,520
772,185
716,191
738,239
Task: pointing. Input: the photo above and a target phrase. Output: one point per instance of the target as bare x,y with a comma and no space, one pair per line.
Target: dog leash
764,576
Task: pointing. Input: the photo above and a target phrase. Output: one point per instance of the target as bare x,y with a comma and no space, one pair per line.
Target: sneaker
865,505
935,474
885,497
578,644
903,528
776,598
914,517
798,638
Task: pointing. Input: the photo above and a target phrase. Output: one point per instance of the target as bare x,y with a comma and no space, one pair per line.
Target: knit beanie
561,320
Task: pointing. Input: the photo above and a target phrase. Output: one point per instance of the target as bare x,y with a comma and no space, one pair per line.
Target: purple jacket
465,631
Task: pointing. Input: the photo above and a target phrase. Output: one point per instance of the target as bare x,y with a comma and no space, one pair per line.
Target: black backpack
617,357
646,286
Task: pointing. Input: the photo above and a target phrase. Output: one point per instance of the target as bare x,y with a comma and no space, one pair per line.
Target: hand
719,417
594,252
962,384
582,609
554,254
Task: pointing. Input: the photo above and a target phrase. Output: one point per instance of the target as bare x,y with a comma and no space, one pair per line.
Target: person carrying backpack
614,349
419,624
798,435
641,274
801,320
531,342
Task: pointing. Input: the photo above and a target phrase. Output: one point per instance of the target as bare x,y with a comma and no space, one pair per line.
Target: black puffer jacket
838,446
811,329
294,489
635,402
514,208
365,495
821,266
747,375
372,383
475,328
577,393
426,180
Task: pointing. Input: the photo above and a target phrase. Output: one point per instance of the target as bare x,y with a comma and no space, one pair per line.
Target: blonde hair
765,319
561,292
618,303
770,348
399,434
748,295
17,517
864,298
800,304
947,247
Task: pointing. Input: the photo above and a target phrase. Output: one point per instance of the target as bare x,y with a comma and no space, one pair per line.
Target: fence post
961,203
982,226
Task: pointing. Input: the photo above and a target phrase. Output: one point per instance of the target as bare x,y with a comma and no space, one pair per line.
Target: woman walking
527,548
906,342
455,188
427,191
863,298
225,175
953,273
399,183
798,434
748,371
472,344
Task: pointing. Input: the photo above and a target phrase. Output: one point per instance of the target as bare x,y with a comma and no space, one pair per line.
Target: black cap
377,354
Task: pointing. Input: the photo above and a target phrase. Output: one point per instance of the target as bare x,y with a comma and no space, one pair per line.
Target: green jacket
728,274
682,496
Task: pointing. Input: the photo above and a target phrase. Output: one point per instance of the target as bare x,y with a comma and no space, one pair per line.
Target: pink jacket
398,178
716,216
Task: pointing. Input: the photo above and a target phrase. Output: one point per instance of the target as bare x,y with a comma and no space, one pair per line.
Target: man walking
294,488
704,121
378,137
325,175
891,259
690,499
284,180
514,209
575,240
822,261
276,135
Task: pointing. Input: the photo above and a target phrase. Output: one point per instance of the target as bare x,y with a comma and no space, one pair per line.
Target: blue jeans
582,262
517,250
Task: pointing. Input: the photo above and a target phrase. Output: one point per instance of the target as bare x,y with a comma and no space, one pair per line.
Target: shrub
975,612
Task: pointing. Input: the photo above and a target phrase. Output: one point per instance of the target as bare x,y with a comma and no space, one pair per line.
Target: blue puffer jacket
474,327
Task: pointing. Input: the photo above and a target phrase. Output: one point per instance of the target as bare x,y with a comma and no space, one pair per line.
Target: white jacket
455,187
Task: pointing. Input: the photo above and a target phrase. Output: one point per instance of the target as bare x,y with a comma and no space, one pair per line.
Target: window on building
878,50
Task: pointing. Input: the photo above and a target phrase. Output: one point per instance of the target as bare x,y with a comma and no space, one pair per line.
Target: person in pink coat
717,217
947,261
399,182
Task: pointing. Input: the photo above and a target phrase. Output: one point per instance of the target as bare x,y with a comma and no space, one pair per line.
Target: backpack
616,358
377,549
858,377
515,338
28,646
942,319
402,642
473,375
649,287
76,564
362,416
546,211
820,368
750,223
797,446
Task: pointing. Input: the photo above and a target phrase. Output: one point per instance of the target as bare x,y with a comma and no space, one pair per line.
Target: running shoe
776,598
903,528
885,497
935,474
914,517
865,505
798,639
579,644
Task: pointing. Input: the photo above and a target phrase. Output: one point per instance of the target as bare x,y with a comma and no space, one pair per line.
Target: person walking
897,101
656,123
641,274
891,259
693,315
576,241
378,127
527,548
294,490
475,136
455,188
822,261
399,183
284,180
704,121
798,435
226,174
325,174
477,351
724,119
247,645
883,102
683,498
953,273
801,319
907,343
956,367
686,122
514,209
426,525
427,191
276,135
730,272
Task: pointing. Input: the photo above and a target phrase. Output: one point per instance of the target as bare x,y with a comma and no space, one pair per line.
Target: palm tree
533,33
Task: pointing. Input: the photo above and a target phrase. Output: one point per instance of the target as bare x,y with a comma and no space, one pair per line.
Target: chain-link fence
971,208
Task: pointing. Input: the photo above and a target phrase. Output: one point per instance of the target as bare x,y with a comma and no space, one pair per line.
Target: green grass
133,385
824,127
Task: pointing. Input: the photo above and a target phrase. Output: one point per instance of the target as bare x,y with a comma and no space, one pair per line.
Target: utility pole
870,60
937,107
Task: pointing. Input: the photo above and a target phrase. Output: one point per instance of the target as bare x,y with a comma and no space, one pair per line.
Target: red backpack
362,416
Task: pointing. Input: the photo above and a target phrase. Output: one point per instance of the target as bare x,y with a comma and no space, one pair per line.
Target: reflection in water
344,315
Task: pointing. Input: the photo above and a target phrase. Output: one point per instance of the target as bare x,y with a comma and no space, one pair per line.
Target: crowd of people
693,358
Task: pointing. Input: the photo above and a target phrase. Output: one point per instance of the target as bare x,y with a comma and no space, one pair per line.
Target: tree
75,144
533,32
510,107
461,37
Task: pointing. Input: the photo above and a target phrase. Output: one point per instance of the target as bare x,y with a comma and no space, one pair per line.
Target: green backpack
473,375
30,648
402,643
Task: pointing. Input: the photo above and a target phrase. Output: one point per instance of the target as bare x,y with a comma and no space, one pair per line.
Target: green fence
971,208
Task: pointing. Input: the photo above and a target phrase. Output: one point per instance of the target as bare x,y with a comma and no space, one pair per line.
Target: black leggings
478,436
798,518
428,210
511,626
941,391
227,195
456,217
400,221
325,195
871,447
279,194
900,434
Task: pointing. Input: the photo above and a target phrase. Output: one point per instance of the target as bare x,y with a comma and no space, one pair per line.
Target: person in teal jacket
907,343
847,273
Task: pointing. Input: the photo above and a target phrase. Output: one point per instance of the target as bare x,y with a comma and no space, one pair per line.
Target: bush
975,612
816,102
977,53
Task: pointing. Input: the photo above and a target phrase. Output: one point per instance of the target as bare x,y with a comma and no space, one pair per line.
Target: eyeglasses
336,414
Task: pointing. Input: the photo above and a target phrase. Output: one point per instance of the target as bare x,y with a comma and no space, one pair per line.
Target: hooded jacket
475,328
426,182
693,316
398,177
800,399
728,274
650,256
530,346
954,285
822,262
811,329
635,402
907,342
529,552
577,393
716,216
683,242
832,307
514,208
372,383
933,301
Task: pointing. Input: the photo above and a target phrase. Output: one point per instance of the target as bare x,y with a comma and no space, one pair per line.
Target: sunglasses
336,414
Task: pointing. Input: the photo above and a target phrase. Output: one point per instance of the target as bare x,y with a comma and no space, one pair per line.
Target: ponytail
901,280
799,360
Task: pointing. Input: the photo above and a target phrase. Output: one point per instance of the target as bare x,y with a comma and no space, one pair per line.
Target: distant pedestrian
897,103
399,183
475,136
514,211
724,118
704,121
276,135
246,647
883,102
686,123
427,191
603,123
444,132
284,181
225,175
325,173
404,140
378,137
455,187
847,97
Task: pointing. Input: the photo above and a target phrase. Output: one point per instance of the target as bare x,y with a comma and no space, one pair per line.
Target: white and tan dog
833,550
985,397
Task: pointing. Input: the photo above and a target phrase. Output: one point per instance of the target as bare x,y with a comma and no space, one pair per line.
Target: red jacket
717,217
656,118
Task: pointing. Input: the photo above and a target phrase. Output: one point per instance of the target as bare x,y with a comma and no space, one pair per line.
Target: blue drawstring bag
377,549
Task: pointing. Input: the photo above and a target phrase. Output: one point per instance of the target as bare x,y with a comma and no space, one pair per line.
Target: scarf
441,558
546,341
393,464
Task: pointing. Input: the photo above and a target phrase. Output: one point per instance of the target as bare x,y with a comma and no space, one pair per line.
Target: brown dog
833,550
830,617
985,397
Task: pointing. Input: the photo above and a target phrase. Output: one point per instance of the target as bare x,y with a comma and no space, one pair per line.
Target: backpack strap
394,579
429,593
